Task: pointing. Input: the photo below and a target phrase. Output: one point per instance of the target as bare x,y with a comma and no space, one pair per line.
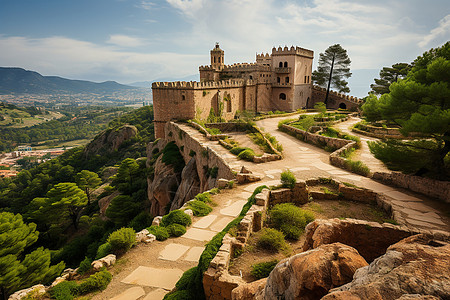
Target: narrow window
218,60
287,79
282,96
285,64
278,80
280,64
305,79
183,97
214,59
229,106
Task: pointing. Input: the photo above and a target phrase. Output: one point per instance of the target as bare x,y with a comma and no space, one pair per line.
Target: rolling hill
20,81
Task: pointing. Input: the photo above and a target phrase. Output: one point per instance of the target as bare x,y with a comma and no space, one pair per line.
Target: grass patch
263,269
199,208
288,179
271,239
290,219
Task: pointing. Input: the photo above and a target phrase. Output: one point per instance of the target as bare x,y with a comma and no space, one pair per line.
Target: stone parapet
426,186
292,51
231,83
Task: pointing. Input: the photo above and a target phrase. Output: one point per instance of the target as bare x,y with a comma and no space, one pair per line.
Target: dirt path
149,271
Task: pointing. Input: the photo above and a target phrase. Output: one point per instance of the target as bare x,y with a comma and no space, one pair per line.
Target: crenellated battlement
343,96
292,51
262,56
231,83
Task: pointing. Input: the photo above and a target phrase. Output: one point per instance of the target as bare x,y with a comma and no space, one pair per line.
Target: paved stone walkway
155,278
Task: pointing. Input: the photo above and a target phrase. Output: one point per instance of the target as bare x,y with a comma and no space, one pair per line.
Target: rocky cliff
110,140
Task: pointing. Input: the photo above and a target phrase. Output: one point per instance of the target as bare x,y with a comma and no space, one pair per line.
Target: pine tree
87,181
389,75
15,237
333,69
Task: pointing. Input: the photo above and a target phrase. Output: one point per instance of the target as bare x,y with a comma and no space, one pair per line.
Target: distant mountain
148,84
18,80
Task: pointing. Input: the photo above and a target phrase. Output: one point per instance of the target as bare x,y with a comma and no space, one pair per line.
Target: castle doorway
343,106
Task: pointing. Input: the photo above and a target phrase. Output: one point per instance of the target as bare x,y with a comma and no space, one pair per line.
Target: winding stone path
153,278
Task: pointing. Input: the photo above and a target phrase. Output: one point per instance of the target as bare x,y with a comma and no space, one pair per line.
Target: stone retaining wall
426,186
205,157
316,139
383,133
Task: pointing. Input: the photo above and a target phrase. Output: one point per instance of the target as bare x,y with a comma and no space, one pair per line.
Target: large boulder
110,140
248,291
311,274
189,186
418,266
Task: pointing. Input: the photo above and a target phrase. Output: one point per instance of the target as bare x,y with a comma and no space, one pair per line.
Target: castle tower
217,58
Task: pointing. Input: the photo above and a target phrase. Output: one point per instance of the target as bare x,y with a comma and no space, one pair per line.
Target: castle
279,81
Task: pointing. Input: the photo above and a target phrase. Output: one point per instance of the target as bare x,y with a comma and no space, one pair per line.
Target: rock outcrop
417,266
311,274
106,261
110,140
248,291
189,186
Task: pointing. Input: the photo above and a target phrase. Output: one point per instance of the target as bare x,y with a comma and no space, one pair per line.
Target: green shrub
176,216
122,240
271,239
96,282
357,167
213,131
199,208
304,122
103,250
172,156
180,295
85,266
65,290
183,282
176,230
204,197
214,191
237,150
263,269
288,179
247,155
290,219
159,232
141,221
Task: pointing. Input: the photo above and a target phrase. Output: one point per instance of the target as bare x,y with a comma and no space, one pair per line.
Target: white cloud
77,59
443,30
125,41
148,5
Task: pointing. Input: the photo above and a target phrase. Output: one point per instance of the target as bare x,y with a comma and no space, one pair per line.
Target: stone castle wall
334,99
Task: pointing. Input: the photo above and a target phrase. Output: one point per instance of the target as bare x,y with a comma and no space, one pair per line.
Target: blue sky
142,40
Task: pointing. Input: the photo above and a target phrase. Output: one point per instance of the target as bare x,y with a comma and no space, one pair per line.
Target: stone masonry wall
205,157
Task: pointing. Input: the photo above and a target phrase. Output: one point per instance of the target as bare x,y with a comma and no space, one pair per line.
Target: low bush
96,282
66,290
288,179
103,250
203,197
237,150
176,230
180,295
141,221
263,269
85,266
199,208
357,166
159,232
176,217
290,219
183,282
285,121
247,155
305,122
271,239
122,240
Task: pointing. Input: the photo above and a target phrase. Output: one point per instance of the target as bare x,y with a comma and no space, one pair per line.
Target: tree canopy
389,75
15,238
333,70
420,103
87,180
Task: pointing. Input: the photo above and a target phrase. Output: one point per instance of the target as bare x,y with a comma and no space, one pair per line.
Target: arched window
286,80
280,64
285,64
251,77
229,105
343,106
282,96
183,97
214,59
278,80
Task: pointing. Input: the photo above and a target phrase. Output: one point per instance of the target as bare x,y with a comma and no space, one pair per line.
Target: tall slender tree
333,70
389,75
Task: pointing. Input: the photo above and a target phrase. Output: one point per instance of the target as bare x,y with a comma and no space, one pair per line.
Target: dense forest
54,205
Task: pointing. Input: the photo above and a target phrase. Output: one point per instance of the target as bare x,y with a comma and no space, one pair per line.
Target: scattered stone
38,289
311,274
222,183
244,170
106,261
58,280
189,212
156,221
150,238
141,236
415,265
247,177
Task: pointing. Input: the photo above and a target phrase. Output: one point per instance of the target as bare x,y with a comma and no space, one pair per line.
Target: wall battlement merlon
230,83
347,97
292,51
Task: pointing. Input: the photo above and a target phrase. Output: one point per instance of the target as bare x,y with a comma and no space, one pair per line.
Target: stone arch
343,105
282,96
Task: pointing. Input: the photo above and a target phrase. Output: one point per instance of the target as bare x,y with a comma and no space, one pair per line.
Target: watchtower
217,58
